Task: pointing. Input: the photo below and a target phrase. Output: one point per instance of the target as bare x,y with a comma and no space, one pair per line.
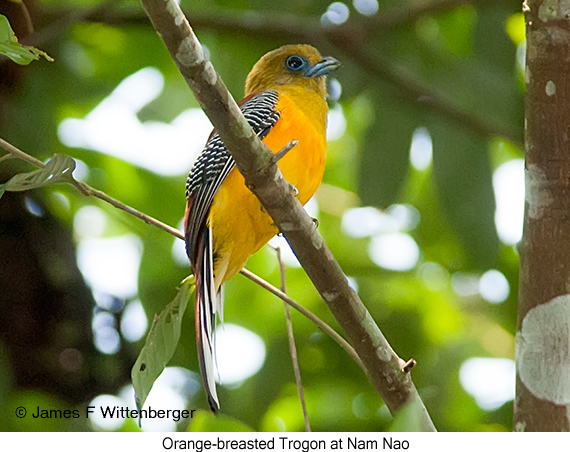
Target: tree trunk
543,331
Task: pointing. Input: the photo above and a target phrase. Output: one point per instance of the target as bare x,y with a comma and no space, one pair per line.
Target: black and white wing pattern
207,175
215,162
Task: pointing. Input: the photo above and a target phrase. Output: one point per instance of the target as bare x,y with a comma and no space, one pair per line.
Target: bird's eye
296,62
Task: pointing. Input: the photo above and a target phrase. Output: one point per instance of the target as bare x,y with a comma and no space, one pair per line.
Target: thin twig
21,154
409,365
6,157
256,163
90,191
87,190
292,347
282,152
312,317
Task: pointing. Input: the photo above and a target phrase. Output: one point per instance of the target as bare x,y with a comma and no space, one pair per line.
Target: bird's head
300,65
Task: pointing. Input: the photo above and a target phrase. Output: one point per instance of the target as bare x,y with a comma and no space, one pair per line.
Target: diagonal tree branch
87,190
258,166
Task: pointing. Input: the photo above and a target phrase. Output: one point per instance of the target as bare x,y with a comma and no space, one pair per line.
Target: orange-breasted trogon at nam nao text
224,222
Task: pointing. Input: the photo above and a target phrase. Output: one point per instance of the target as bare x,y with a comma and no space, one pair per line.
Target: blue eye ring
296,63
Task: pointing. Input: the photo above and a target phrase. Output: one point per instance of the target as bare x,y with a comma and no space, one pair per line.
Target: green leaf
10,47
205,421
6,33
385,157
161,342
2,189
464,181
58,170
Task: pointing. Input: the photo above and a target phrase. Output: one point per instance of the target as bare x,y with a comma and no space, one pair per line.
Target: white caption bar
279,442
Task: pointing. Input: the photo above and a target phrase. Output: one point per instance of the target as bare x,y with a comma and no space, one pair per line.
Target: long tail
208,303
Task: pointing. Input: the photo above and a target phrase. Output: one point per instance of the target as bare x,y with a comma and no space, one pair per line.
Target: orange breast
239,225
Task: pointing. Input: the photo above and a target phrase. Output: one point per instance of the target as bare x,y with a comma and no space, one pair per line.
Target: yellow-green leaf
161,342
10,47
59,169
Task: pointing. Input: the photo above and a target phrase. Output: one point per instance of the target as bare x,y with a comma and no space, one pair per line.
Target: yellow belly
239,225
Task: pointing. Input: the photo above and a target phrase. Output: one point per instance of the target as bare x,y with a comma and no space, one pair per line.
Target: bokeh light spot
366,7
240,353
491,381
336,14
421,151
508,183
494,287
394,251
133,321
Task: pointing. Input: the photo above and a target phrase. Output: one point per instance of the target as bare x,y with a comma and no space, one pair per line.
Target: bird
224,222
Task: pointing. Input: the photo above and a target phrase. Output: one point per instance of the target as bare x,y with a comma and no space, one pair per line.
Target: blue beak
323,67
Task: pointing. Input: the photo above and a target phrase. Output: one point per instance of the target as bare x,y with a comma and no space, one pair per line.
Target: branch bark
543,332
87,190
258,166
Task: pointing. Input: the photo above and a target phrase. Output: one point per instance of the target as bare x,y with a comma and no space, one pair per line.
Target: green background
450,68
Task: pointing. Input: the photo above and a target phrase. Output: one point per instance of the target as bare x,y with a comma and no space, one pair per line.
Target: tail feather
220,299
207,306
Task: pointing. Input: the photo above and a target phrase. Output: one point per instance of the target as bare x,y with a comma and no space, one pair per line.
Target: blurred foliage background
421,203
